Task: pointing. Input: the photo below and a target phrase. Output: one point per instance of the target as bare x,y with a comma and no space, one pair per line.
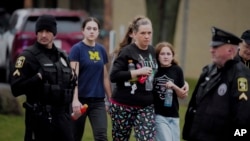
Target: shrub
8,103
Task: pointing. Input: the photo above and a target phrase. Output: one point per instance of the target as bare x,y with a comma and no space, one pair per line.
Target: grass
12,127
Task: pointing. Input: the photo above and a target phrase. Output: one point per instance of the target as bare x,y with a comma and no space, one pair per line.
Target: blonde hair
138,21
132,27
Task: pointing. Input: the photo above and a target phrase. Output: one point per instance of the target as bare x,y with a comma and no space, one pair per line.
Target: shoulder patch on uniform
20,62
242,84
243,96
16,73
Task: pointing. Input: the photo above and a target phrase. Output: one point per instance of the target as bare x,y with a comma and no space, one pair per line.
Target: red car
21,33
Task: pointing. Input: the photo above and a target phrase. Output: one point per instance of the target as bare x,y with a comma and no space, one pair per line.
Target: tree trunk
163,14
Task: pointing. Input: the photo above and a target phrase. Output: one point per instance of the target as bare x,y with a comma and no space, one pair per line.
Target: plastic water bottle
149,83
83,109
131,66
168,98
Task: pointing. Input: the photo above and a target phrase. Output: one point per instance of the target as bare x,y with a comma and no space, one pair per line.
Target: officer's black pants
40,128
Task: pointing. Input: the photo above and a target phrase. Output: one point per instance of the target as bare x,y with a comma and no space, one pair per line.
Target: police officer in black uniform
42,73
244,48
219,107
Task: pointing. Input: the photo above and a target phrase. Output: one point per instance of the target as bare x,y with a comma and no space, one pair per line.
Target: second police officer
219,107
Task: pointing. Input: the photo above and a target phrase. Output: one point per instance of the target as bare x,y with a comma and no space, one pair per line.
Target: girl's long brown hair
158,49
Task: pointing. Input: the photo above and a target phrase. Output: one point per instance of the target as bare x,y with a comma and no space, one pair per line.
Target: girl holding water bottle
168,83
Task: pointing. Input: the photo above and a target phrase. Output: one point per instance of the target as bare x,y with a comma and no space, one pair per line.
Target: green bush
8,103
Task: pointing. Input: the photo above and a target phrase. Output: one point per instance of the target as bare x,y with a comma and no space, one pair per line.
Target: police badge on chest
222,89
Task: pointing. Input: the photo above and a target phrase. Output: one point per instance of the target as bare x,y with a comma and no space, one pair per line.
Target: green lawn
12,127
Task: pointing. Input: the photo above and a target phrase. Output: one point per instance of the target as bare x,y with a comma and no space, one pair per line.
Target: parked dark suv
21,33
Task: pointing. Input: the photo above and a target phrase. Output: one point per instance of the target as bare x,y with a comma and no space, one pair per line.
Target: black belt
45,108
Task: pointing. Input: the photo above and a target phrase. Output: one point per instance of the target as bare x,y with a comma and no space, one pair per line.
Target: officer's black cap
47,22
221,37
246,36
